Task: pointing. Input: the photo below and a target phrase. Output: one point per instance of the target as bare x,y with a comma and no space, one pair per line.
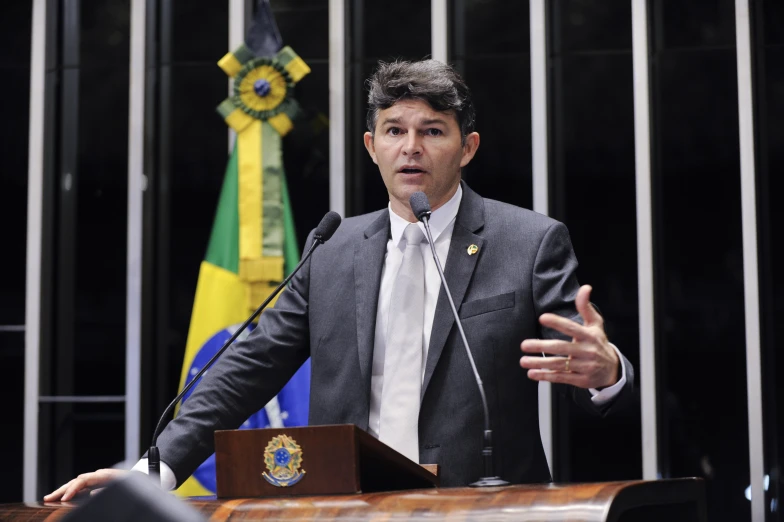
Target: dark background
701,372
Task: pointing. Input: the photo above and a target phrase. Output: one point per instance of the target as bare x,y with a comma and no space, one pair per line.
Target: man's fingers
549,346
64,492
74,487
561,364
587,361
565,326
575,379
584,307
56,494
67,491
84,481
72,490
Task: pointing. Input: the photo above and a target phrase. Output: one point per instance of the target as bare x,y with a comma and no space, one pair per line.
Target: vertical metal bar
236,23
337,107
750,266
540,176
236,38
438,30
539,130
136,182
35,176
642,158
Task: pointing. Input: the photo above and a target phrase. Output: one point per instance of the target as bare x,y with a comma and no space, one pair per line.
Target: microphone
326,227
420,206
329,223
421,209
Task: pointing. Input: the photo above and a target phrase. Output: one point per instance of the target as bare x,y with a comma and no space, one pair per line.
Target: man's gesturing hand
85,482
587,361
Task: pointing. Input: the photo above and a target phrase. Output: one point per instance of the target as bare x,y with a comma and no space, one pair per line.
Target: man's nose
413,144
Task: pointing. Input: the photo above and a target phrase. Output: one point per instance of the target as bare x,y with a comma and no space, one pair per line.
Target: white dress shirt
442,222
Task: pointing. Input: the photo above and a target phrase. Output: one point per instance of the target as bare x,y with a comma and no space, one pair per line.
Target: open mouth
411,170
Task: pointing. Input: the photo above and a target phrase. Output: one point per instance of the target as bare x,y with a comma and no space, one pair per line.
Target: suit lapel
368,262
458,273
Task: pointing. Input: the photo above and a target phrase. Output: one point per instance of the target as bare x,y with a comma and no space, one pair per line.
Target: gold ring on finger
566,366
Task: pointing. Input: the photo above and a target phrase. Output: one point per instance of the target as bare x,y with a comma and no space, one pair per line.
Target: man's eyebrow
431,121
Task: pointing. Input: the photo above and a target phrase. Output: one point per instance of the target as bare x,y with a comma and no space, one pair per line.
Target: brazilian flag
253,242
220,307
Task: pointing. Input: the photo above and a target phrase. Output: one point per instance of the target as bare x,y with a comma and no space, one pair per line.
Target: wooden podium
329,460
341,473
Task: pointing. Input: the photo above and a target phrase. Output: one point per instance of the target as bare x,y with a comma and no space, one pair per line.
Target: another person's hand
85,482
587,361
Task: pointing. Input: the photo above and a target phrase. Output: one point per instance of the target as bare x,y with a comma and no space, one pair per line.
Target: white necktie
399,412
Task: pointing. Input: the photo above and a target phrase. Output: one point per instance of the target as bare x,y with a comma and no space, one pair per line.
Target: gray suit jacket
525,266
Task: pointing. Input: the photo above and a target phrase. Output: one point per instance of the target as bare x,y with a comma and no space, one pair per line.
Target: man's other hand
587,361
85,482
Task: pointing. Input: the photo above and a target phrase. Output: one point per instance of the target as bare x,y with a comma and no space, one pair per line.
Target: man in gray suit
512,276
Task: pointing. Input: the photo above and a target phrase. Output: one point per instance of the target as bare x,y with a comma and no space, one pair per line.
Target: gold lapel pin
473,249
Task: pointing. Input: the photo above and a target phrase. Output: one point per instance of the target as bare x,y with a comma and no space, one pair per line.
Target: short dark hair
429,80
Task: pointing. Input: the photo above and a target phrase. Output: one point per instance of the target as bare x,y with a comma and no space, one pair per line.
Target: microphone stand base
489,482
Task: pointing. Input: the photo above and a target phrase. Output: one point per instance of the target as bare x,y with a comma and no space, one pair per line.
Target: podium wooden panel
336,459
676,500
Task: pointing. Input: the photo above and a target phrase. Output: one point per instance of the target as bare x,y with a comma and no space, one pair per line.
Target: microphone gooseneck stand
329,223
421,209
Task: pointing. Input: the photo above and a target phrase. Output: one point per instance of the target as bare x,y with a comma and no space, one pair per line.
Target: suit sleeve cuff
168,481
600,398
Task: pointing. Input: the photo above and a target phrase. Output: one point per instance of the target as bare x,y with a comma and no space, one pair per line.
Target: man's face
418,148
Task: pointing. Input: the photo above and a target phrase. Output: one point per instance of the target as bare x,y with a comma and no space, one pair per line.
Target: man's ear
469,149
370,146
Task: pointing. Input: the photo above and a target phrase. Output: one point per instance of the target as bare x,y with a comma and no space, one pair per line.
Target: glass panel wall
699,284
592,176
15,35
703,414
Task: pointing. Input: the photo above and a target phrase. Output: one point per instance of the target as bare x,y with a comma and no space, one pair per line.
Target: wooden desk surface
548,502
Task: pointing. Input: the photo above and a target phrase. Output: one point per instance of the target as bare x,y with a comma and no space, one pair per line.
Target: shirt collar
440,219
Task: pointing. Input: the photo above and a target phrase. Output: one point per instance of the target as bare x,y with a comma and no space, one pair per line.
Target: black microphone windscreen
329,223
420,206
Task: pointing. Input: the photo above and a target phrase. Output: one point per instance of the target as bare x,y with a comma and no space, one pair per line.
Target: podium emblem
283,458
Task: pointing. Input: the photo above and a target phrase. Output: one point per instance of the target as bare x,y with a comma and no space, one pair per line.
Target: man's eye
433,132
394,131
